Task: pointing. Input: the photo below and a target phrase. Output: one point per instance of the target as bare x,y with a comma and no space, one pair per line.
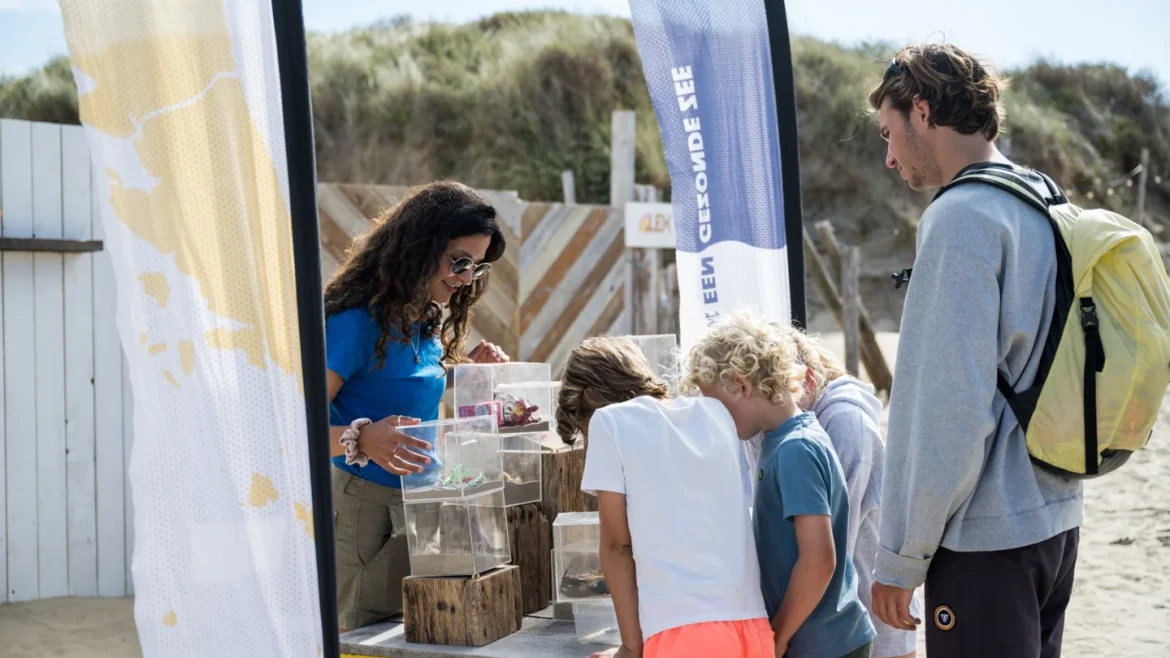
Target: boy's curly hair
761,351
602,371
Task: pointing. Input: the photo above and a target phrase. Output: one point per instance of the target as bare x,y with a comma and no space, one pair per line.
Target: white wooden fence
65,405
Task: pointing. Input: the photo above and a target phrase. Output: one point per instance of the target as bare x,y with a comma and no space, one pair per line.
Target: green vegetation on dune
510,101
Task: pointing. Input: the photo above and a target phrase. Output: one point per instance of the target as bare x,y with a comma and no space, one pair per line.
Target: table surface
539,636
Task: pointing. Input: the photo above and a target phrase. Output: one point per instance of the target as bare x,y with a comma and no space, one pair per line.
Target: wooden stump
561,490
462,611
529,532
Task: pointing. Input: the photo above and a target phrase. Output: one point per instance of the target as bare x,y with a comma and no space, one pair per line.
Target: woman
397,315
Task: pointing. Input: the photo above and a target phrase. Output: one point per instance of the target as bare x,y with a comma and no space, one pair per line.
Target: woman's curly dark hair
390,268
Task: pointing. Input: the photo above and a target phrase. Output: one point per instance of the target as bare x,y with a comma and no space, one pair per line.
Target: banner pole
784,85
289,26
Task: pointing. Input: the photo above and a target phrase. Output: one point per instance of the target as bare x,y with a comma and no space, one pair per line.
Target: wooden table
540,636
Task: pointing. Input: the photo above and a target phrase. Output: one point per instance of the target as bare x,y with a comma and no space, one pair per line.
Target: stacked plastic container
578,579
456,523
521,397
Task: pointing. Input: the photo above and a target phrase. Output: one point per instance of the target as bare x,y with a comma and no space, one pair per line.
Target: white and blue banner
709,66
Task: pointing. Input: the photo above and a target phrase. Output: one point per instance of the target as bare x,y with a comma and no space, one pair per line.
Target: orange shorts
751,638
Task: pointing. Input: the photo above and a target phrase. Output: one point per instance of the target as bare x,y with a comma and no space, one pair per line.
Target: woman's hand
390,449
486,352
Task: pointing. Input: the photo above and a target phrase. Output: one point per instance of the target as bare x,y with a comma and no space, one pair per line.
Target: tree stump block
561,471
529,532
462,611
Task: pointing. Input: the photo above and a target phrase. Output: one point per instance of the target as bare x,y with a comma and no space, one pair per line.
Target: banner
181,103
709,67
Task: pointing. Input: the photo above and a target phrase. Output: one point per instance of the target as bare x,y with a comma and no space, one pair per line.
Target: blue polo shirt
400,388
799,474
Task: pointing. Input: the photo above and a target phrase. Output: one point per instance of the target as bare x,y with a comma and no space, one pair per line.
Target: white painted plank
79,367
16,178
110,472
20,421
19,367
49,354
127,446
3,448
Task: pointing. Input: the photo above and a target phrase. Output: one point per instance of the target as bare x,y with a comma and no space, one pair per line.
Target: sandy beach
1120,606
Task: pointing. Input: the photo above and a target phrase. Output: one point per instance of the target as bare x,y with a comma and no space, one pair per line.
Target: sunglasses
461,265
893,69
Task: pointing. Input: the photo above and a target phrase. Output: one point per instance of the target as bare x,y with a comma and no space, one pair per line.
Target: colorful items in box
493,408
517,412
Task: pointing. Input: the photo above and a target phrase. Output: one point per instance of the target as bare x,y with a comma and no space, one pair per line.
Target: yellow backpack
1106,363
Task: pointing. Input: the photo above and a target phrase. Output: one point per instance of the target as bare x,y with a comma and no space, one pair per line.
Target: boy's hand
617,652
781,648
892,606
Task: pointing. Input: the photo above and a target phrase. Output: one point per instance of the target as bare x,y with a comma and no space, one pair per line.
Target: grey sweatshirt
851,416
957,469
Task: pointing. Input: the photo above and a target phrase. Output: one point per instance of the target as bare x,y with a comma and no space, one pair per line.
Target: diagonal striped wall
563,276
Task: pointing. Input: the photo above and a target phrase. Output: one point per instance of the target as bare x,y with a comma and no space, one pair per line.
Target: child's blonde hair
761,351
817,358
602,371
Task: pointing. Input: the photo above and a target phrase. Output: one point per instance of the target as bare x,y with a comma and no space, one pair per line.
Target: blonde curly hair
761,351
818,359
602,371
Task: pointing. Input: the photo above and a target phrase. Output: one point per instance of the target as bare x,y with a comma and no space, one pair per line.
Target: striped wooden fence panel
562,277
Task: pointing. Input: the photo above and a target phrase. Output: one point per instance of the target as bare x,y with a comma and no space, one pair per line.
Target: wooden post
1141,195
462,611
645,266
871,353
640,288
851,301
568,187
531,550
668,300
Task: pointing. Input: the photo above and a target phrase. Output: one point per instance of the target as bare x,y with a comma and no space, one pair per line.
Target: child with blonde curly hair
666,473
801,511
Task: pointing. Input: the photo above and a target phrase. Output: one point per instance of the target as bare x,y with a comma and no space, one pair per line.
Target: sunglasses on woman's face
461,265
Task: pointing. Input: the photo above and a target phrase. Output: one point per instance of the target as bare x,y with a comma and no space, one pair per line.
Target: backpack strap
1017,182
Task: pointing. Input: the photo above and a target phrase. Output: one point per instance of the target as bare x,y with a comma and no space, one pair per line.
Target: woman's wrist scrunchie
349,439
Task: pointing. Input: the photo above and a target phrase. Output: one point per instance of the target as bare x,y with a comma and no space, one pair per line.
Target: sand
69,628
1120,605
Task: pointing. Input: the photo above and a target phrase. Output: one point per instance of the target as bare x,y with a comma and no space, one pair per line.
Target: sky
1126,32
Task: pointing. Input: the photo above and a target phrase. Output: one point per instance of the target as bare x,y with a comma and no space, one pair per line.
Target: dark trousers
1000,603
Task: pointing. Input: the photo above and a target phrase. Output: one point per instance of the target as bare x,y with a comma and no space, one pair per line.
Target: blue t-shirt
799,474
401,387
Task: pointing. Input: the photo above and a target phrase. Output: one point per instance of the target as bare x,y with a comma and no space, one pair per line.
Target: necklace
416,347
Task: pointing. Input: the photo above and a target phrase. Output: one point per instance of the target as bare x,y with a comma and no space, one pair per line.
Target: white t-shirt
679,464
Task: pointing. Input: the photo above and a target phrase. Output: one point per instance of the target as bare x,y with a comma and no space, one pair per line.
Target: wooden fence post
568,187
851,313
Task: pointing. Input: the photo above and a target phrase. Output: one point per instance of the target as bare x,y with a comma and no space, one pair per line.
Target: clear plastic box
461,537
597,623
521,458
663,353
520,395
466,460
577,572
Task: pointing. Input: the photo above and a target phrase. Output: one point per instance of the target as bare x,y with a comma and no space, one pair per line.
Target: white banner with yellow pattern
181,104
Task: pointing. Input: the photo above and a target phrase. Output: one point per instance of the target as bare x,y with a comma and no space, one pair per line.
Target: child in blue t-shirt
801,513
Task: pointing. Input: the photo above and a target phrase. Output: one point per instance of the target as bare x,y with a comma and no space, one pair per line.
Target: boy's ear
743,387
